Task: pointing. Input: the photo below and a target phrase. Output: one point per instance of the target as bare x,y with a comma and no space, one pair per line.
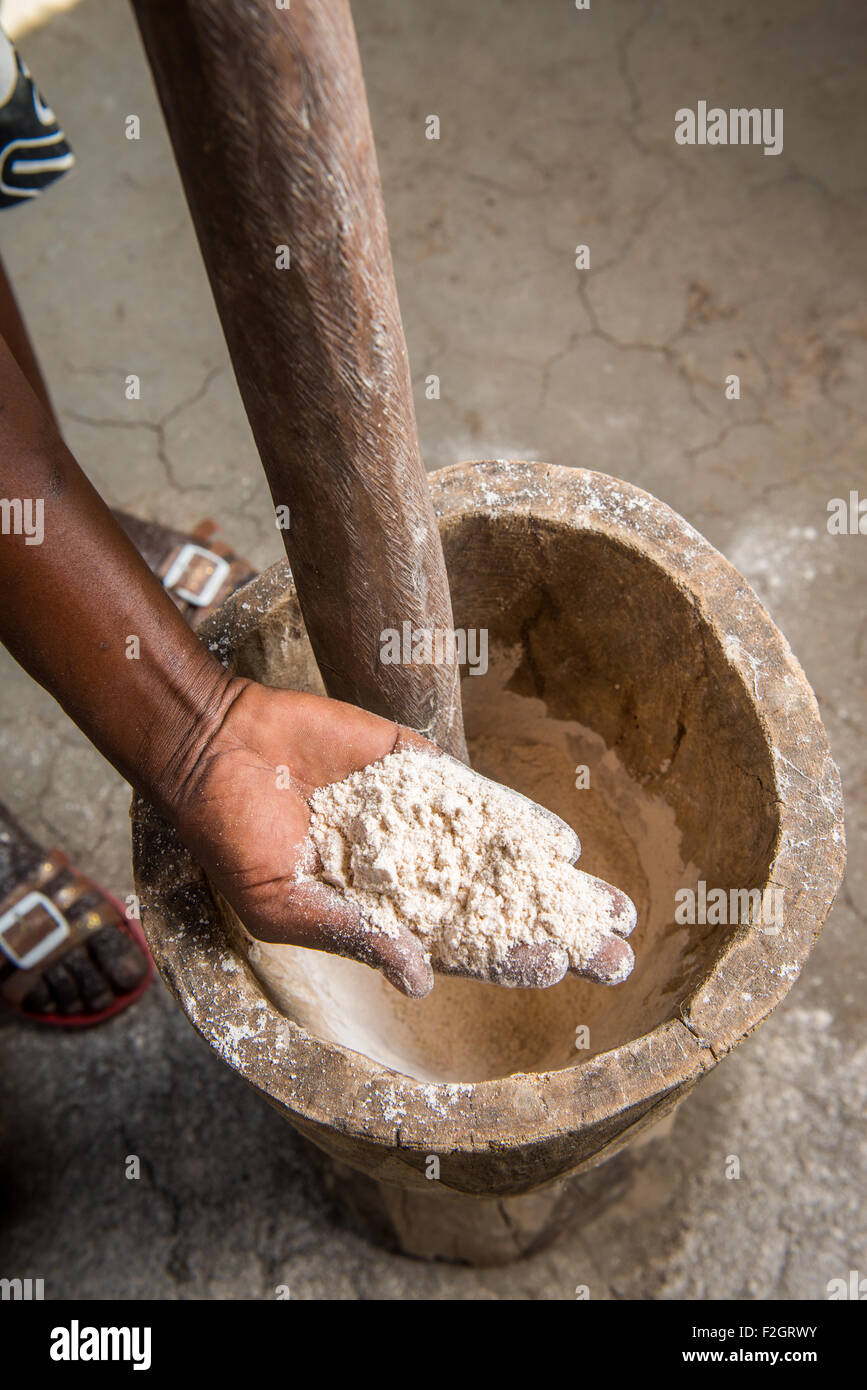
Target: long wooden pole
268,117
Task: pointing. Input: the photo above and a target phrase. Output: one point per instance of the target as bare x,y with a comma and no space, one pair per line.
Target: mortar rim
326,1084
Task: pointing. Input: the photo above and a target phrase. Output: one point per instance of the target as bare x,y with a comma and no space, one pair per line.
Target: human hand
243,811
485,877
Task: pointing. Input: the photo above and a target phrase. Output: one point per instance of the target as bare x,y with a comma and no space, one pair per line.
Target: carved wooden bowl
605,612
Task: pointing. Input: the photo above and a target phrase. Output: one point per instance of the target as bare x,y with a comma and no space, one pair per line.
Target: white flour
467,1030
474,871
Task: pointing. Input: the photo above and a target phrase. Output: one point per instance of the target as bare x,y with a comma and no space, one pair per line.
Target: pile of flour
421,842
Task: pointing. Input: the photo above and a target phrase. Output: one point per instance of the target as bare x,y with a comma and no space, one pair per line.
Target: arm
202,745
205,747
71,601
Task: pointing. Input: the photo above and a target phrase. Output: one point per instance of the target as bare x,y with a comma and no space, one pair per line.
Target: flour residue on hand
423,843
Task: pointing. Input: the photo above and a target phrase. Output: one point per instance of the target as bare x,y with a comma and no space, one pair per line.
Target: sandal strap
197,571
201,576
39,923
43,870
20,853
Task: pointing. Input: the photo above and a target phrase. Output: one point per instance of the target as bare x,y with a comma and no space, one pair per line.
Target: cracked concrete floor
556,129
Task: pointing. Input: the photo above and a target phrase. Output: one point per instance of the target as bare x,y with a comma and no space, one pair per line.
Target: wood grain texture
751,771
268,117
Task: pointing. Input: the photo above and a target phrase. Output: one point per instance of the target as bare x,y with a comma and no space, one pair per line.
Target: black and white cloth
33,148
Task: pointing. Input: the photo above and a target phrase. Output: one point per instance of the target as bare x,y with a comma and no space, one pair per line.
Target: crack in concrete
158,428
622,48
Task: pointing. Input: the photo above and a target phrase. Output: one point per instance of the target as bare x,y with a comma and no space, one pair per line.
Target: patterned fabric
33,148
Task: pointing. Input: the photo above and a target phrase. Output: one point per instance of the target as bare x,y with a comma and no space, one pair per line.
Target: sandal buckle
15,914
197,575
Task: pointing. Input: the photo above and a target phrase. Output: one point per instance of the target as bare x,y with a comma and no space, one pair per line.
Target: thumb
323,920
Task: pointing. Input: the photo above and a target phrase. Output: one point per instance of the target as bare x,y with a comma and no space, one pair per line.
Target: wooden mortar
625,619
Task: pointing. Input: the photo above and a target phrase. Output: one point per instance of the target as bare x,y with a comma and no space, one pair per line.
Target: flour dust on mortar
466,1030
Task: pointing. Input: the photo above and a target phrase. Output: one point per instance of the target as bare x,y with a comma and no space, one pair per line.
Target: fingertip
624,913
412,982
612,963
533,966
406,965
326,921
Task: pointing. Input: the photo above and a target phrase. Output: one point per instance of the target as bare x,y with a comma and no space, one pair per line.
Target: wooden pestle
268,117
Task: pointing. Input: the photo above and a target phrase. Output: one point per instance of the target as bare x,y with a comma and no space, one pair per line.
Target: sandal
198,572
65,955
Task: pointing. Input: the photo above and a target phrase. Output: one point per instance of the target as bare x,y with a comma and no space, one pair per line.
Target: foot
69,954
198,572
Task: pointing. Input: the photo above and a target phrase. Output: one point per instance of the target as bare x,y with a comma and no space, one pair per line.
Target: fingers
571,846
408,738
552,822
332,923
612,912
555,823
616,916
623,912
611,965
576,853
321,919
532,966
528,965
